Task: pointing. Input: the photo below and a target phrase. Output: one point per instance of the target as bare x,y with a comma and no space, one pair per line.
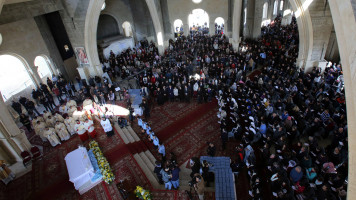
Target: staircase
145,159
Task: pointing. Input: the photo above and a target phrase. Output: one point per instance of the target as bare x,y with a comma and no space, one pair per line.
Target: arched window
127,29
14,77
265,9
275,7
44,68
219,25
198,17
281,5
178,25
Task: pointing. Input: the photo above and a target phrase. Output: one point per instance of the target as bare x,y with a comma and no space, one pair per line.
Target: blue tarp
94,162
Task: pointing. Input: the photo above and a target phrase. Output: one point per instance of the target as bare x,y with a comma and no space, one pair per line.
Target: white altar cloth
80,169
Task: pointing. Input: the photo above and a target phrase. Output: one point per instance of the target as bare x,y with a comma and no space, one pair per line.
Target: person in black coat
17,107
26,122
157,170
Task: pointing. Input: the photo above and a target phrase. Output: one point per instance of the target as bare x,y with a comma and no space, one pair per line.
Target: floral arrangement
104,166
142,193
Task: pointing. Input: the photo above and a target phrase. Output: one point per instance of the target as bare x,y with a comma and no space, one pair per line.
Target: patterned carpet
184,129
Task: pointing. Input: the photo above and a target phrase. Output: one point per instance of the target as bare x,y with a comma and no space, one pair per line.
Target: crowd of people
281,113
295,120
289,116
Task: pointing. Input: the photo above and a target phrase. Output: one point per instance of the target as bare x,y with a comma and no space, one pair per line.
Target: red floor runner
189,118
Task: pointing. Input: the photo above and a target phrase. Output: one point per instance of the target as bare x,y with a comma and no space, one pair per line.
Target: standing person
111,97
17,107
30,107
62,131
50,134
175,177
199,186
105,123
79,127
165,177
44,102
26,122
162,151
70,124
89,126
211,149
56,91
157,171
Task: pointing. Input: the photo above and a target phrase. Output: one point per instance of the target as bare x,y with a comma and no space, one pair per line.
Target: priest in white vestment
59,117
82,132
39,130
70,124
105,123
50,134
62,131
51,121
35,120
46,115
71,110
71,103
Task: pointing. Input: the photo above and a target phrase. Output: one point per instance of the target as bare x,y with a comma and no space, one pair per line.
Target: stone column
157,25
83,73
13,139
343,17
90,29
248,16
34,75
236,20
257,18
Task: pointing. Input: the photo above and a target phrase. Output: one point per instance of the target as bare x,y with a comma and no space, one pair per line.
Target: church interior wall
121,11
14,34
181,10
143,23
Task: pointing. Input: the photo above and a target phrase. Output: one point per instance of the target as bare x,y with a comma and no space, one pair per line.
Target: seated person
122,122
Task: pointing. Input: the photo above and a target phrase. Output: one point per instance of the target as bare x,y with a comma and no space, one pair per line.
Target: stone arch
107,26
104,12
26,74
305,30
90,29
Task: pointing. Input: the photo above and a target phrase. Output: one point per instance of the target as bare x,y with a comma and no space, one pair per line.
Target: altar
83,169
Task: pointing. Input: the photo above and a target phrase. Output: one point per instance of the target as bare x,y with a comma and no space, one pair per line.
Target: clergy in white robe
51,121
82,132
62,131
105,123
46,115
71,110
50,134
39,130
89,126
35,120
59,117
71,103
70,124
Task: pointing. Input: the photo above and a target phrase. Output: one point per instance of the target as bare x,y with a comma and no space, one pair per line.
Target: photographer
199,185
166,178
206,174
